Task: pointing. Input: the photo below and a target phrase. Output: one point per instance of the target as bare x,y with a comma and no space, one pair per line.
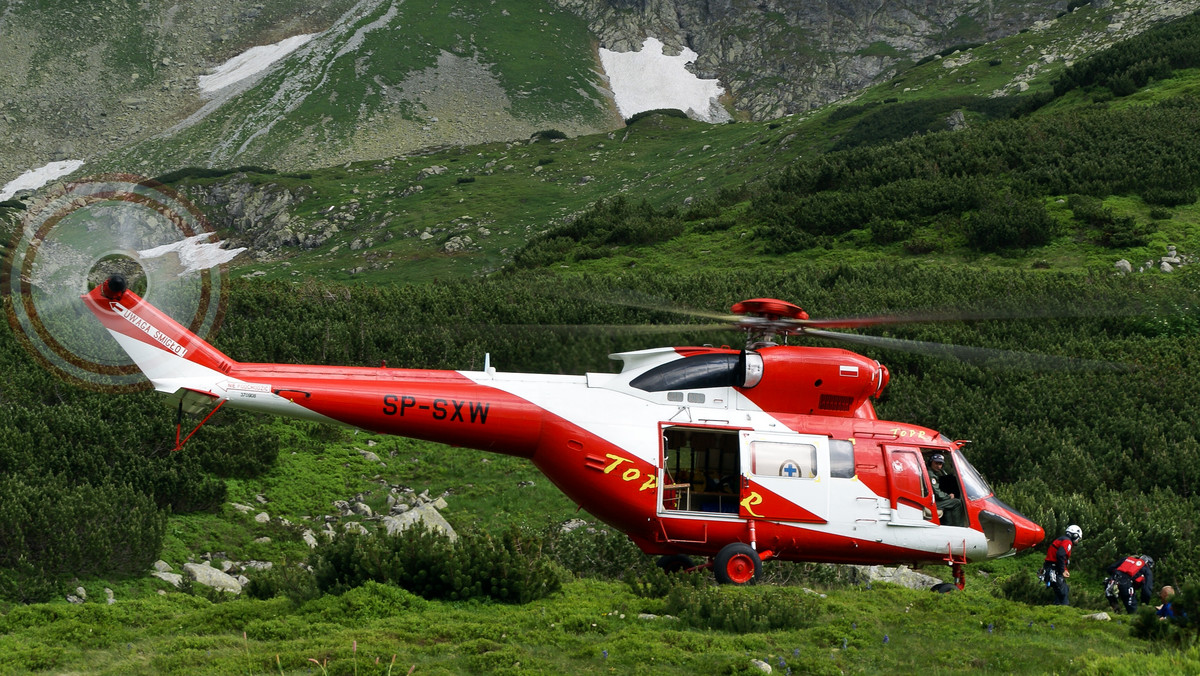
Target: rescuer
1056,567
1129,578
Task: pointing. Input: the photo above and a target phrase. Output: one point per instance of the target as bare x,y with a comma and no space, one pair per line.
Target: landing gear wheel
675,563
737,563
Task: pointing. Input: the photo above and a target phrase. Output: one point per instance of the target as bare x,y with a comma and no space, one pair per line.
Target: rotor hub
765,319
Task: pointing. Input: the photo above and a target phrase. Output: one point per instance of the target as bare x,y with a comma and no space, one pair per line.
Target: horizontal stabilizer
193,401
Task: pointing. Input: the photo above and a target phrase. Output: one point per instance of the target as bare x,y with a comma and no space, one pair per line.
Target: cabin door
785,477
909,494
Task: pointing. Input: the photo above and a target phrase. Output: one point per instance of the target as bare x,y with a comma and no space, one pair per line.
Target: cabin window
674,396
695,397
841,459
774,458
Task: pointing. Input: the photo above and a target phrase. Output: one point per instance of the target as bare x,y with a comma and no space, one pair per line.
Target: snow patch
36,178
249,62
650,80
194,255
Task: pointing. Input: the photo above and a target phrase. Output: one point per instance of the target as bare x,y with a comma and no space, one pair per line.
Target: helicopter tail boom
169,354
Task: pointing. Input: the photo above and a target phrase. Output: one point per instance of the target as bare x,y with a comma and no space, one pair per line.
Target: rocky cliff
777,57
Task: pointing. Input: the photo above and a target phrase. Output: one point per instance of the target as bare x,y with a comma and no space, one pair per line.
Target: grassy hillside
591,628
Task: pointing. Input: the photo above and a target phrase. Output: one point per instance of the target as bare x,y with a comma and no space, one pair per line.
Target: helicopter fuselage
686,450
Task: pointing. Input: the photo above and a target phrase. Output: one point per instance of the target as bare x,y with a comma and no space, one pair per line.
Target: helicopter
735,456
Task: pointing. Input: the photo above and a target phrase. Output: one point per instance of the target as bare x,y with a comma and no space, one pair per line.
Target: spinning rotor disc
81,233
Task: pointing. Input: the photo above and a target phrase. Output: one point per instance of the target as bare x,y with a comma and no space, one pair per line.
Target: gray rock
424,513
355,527
1124,267
174,578
211,577
900,575
309,539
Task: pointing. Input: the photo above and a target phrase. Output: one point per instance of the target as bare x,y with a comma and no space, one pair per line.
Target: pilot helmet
937,457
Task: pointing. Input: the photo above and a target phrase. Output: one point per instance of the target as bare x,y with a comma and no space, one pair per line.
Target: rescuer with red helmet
1056,567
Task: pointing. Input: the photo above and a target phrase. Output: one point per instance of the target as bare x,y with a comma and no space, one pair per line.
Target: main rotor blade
649,329
975,355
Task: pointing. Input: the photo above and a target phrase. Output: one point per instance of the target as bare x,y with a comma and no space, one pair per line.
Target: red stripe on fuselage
441,406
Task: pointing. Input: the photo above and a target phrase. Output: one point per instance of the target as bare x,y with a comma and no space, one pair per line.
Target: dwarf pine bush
511,567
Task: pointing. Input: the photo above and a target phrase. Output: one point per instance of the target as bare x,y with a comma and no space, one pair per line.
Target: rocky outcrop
777,57
258,215
404,509
1168,263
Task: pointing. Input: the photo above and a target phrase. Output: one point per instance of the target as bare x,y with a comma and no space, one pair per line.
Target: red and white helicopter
739,455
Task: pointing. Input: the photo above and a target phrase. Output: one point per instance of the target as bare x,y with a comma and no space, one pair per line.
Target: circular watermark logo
81,232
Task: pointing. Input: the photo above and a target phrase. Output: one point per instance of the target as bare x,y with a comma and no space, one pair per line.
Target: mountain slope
388,78
382,78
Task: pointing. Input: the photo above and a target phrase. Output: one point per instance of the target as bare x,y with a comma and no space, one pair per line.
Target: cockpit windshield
973,484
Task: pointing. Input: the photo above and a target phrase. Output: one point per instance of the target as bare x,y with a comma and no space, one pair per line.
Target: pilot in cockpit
949,505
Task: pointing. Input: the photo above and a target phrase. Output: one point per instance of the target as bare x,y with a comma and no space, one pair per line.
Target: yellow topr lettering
752,500
617,460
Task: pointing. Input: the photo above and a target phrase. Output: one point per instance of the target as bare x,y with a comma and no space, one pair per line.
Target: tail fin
170,355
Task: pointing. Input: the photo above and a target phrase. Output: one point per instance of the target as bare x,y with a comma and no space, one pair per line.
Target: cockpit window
973,484
692,373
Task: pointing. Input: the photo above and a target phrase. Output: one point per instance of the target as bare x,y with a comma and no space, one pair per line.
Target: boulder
174,578
424,513
899,575
211,577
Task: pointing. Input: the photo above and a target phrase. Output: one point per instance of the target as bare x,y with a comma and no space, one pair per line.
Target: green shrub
590,551
23,582
886,230
1089,210
548,134
1009,221
1024,587
669,112
511,567
1125,232
286,578
700,209
741,610
240,446
1166,197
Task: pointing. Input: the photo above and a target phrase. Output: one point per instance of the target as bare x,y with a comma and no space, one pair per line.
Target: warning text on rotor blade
451,410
